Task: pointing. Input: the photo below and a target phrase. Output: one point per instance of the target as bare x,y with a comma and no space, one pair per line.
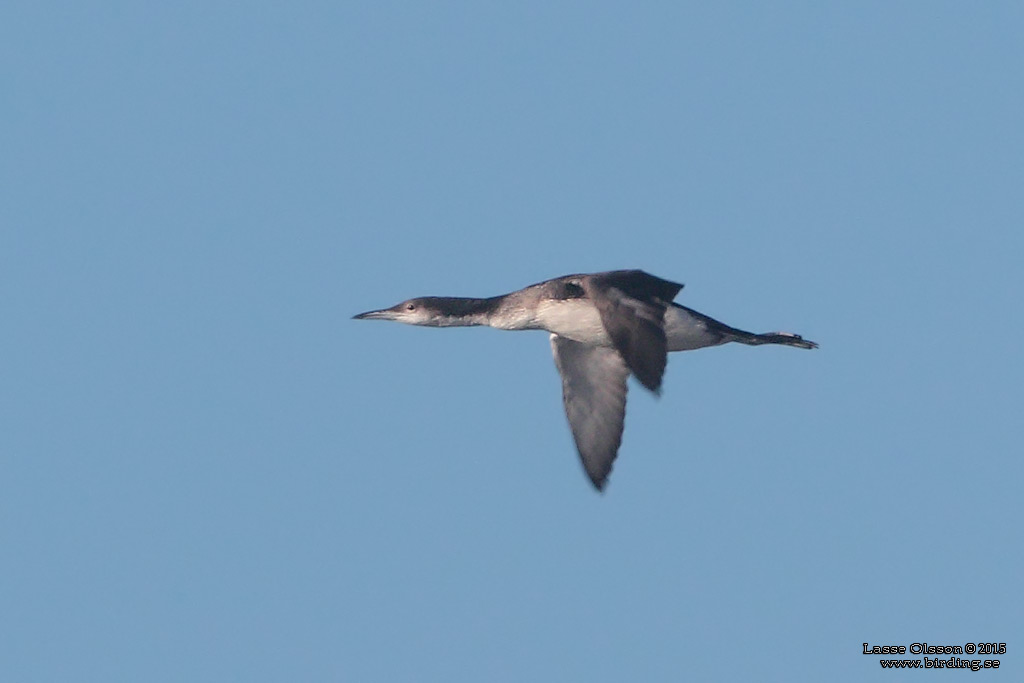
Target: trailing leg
784,338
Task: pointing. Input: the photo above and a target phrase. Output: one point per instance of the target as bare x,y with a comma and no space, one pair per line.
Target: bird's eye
410,307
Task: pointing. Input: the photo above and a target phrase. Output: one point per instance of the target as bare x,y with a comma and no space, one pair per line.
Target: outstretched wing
594,393
632,306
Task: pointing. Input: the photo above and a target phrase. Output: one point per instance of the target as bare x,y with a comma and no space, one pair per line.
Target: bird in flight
603,327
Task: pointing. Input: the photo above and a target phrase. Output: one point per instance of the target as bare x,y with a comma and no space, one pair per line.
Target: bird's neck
466,312
505,312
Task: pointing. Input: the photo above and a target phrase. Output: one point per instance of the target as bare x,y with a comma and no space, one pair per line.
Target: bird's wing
594,392
632,306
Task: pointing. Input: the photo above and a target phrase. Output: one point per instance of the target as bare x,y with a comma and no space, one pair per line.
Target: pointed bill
385,314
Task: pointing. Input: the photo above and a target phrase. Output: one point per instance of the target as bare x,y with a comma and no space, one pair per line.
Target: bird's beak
375,315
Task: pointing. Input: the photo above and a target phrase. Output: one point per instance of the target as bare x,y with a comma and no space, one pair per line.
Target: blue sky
208,472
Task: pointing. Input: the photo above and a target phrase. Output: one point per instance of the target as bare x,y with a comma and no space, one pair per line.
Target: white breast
575,319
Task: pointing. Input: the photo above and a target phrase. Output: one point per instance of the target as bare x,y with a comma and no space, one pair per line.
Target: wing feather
632,307
594,393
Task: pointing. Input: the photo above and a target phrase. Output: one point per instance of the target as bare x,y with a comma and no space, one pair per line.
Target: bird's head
422,311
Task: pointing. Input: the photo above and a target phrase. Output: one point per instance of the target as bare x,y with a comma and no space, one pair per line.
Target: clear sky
208,472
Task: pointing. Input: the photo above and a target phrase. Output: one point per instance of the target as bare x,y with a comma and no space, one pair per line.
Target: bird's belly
686,332
575,319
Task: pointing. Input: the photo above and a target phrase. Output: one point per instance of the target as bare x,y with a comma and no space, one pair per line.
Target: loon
603,327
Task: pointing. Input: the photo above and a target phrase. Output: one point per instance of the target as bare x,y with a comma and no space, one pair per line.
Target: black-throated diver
603,326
